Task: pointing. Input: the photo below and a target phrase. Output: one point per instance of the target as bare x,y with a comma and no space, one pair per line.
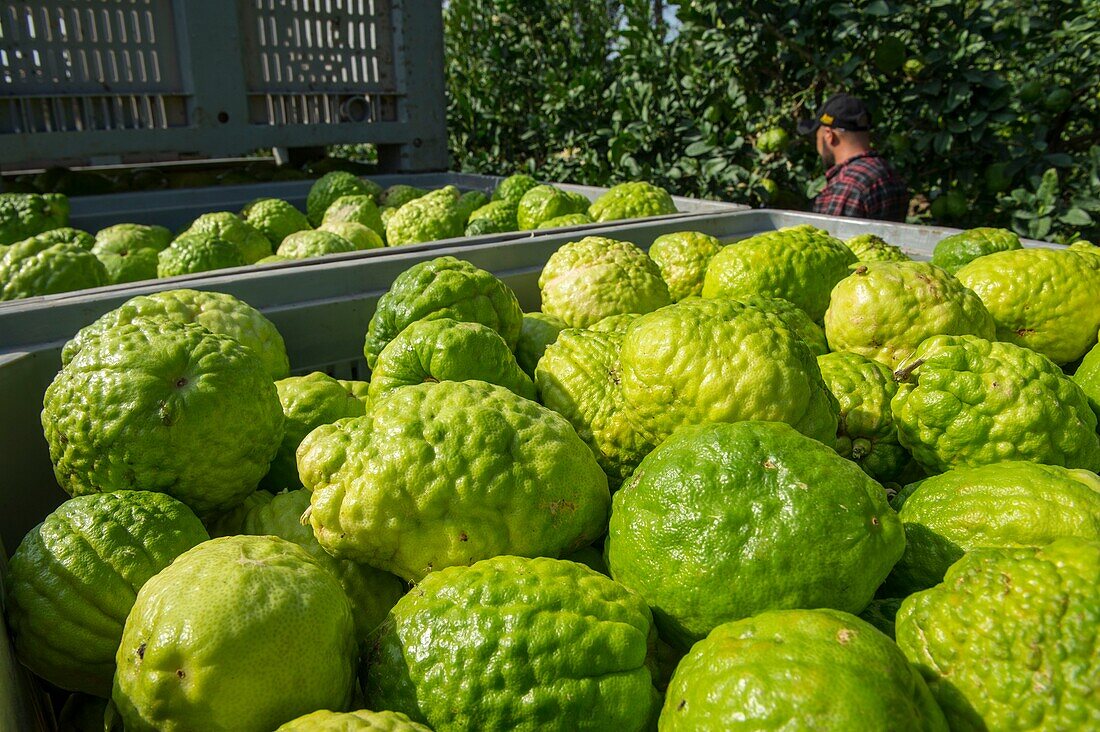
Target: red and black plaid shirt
865,187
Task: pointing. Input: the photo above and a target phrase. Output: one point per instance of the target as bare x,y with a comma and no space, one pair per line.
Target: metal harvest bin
322,308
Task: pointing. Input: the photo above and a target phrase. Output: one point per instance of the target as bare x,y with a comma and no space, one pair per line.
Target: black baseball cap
841,111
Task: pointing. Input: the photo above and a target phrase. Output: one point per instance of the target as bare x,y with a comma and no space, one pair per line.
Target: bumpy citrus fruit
215,311
230,227
579,377
444,287
682,258
543,203
450,473
1042,299
615,323
447,350
587,280
314,243
632,201
963,509
538,331
274,218
158,405
513,187
399,194
1087,376
239,633
871,248
230,521
884,310
40,267
359,235
1009,640
717,524
722,361
800,264
308,402
193,253
357,209
359,721
556,645
866,433
330,187
964,401
433,216
372,592
952,252
73,579
798,669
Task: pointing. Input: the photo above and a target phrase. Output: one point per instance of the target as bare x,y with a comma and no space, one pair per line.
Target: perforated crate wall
96,80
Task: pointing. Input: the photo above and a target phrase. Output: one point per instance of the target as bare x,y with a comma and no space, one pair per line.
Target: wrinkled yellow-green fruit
399,194
871,248
229,522
163,406
22,215
129,251
884,310
682,258
328,188
579,378
240,633
446,474
357,209
494,217
39,267
371,591
722,361
314,243
194,253
800,264
215,311
73,579
573,219
1005,505
1008,641
447,350
796,320
543,203
730,506
274,218
953,252
866,433
359,721
68,235
444,287
632,201
433,216
798,669
1047,300
615,323
965,401
1087,376
513,187
230,227
585,281
360,236
308,402
538,331
469,202
881,613
138,236
531,645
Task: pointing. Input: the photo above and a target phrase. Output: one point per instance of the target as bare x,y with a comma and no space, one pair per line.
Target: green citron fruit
798,669
329,187
585,281
193,253
371,591
965,401
163,406
998,179
357,209
538,331
360,236
543,203
513,187
231,521
359,721
884,310
447,350
308,402
632,201
239,633
773,140
682,258
1087,376
1047,300
314,243
955,251
444,287
399,194
573,219
1058,100
230,227
1031,91
274,218
866,433
722,361
73,579
1008,640
494,217
517,644
957,205
795,319
38,266
871,248
68,235
446,474
718,524
614,323
800,264
579,377
949,514
431,217
215,311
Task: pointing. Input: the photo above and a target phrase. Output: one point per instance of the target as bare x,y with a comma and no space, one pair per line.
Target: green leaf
1076,217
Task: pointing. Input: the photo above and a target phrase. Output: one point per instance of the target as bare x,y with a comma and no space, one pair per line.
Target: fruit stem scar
904,374
181,382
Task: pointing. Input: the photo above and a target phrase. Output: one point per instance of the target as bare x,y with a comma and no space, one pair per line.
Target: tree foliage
989,106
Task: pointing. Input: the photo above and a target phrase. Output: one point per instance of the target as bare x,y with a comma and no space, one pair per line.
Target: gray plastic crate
322,309
95,81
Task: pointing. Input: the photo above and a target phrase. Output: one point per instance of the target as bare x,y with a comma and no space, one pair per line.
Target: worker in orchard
859,181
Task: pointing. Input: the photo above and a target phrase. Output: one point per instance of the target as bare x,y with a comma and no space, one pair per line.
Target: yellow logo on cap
827,119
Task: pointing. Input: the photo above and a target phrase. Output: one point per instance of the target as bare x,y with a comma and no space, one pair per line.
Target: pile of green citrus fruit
790,482
40,254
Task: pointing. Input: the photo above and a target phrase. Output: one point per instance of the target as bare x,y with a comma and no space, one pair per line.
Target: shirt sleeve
840,199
